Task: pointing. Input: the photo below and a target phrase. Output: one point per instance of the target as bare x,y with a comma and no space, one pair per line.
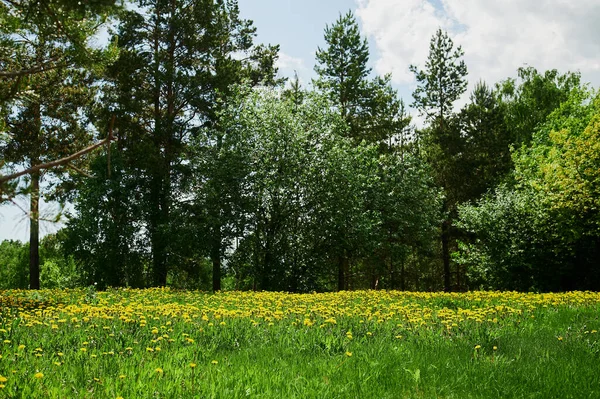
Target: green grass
541,352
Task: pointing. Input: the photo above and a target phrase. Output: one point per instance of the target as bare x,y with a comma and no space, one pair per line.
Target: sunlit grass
180,344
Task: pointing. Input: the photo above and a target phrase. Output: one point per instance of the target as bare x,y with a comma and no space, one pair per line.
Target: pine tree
440,84
442,81
178,62
46,89
342,69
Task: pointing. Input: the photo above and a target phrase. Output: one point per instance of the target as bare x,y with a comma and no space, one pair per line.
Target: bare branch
62,161
80,171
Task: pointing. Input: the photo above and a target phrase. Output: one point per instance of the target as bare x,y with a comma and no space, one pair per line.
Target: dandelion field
160,343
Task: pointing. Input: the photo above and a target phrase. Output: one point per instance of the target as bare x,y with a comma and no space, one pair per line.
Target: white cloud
497,36
288,62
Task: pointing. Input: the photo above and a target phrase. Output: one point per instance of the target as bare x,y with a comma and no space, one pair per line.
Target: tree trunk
159,210
446,254
374,278
341,273
158,224
34,205
458,282
392,273
34,233
216,277
402,277
215,257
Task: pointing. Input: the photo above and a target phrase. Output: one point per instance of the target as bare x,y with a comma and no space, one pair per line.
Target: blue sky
497,36
297,26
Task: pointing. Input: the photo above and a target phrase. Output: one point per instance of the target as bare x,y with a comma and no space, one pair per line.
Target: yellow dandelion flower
348,354
192,365
3,379
83,349
214,362
39,375
122,376
477,347
159,370
495,348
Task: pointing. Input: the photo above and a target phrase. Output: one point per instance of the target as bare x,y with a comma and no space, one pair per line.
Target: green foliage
529,99
287,144
308,201
563,162
342,66
14,260
507,244
484,158
542,233
57,268
104,237
409,212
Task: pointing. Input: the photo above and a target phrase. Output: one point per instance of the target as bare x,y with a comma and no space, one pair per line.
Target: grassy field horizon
162,343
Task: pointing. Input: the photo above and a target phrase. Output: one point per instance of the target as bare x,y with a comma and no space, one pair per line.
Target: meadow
162,343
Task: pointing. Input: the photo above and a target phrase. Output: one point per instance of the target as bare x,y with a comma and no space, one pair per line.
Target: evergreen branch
47,66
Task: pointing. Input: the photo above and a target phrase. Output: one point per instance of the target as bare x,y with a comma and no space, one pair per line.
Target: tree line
191,163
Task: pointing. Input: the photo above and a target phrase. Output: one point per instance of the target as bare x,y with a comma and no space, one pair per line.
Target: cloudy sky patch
497,36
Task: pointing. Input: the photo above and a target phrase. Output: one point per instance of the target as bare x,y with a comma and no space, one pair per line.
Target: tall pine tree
370,107
440,84
178,59
46,89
